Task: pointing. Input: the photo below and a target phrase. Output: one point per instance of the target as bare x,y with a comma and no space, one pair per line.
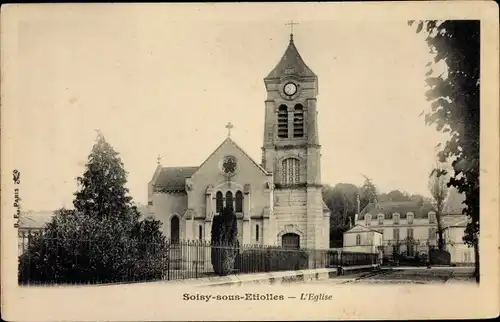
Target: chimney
358,204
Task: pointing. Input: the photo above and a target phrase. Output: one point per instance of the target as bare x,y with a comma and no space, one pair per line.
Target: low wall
276,278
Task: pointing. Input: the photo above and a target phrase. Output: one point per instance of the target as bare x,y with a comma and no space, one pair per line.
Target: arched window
290,240
218,202
257,232
200,232
298,121
229,200
174,230
290,171
358,239
283,121
239,201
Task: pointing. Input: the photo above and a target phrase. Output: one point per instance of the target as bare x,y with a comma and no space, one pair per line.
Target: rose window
229,165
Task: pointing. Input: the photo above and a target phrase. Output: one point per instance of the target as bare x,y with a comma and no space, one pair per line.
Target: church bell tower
291,149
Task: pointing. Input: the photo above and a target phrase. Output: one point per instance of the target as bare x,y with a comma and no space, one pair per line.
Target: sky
159,83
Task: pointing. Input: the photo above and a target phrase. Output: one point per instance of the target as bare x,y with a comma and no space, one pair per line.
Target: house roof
450,221
35,220
291,59
364,227
174,178
420,210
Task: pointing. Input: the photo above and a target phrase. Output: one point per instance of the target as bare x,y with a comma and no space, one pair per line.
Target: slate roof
174,178
454,221
402,207
291,58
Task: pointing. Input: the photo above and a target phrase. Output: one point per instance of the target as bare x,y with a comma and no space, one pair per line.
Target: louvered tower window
283,121
298,121
290,171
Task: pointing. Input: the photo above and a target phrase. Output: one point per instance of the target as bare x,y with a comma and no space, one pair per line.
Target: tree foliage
341,200
103,239
438,187
369,193
456,107
224,238
102,190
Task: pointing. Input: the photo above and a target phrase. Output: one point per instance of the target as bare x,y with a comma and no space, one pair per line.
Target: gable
360,229
229,148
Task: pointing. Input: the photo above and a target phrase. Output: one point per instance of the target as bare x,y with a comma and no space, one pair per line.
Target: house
410,227
362,239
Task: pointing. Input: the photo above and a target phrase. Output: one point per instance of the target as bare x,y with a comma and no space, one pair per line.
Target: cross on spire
158,159
291,23
229,127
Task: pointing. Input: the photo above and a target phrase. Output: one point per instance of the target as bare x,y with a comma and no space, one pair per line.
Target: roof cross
158,159
229,127
291,23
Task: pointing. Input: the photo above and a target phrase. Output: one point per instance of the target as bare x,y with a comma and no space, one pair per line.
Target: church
277,201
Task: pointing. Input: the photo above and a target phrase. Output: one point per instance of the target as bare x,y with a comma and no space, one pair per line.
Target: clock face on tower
290,89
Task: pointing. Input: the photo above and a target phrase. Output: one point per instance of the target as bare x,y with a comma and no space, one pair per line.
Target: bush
224,242
271,259
79,249
439,257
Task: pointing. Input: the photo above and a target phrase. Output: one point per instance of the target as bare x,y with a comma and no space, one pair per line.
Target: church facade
277,201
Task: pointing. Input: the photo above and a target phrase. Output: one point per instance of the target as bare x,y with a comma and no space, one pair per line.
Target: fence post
197,259
168,260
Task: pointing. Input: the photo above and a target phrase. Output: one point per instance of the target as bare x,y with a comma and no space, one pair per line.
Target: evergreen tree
102,239
102,186
224,241
368,193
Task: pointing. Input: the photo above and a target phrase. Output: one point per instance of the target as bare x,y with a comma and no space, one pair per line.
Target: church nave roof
174,178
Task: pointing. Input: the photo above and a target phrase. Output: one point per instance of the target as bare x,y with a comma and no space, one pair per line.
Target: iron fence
48,260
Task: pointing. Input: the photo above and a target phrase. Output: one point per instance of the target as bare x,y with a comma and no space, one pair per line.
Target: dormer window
368,219
395,219
380,218
410,217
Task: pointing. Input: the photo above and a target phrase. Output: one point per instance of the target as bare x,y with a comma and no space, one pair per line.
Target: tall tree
396,195
102,190
368,193
438,187
102,239
341,200
456,109
224,237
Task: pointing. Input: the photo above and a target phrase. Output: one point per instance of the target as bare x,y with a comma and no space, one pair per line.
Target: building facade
277,201
410,227
362,239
